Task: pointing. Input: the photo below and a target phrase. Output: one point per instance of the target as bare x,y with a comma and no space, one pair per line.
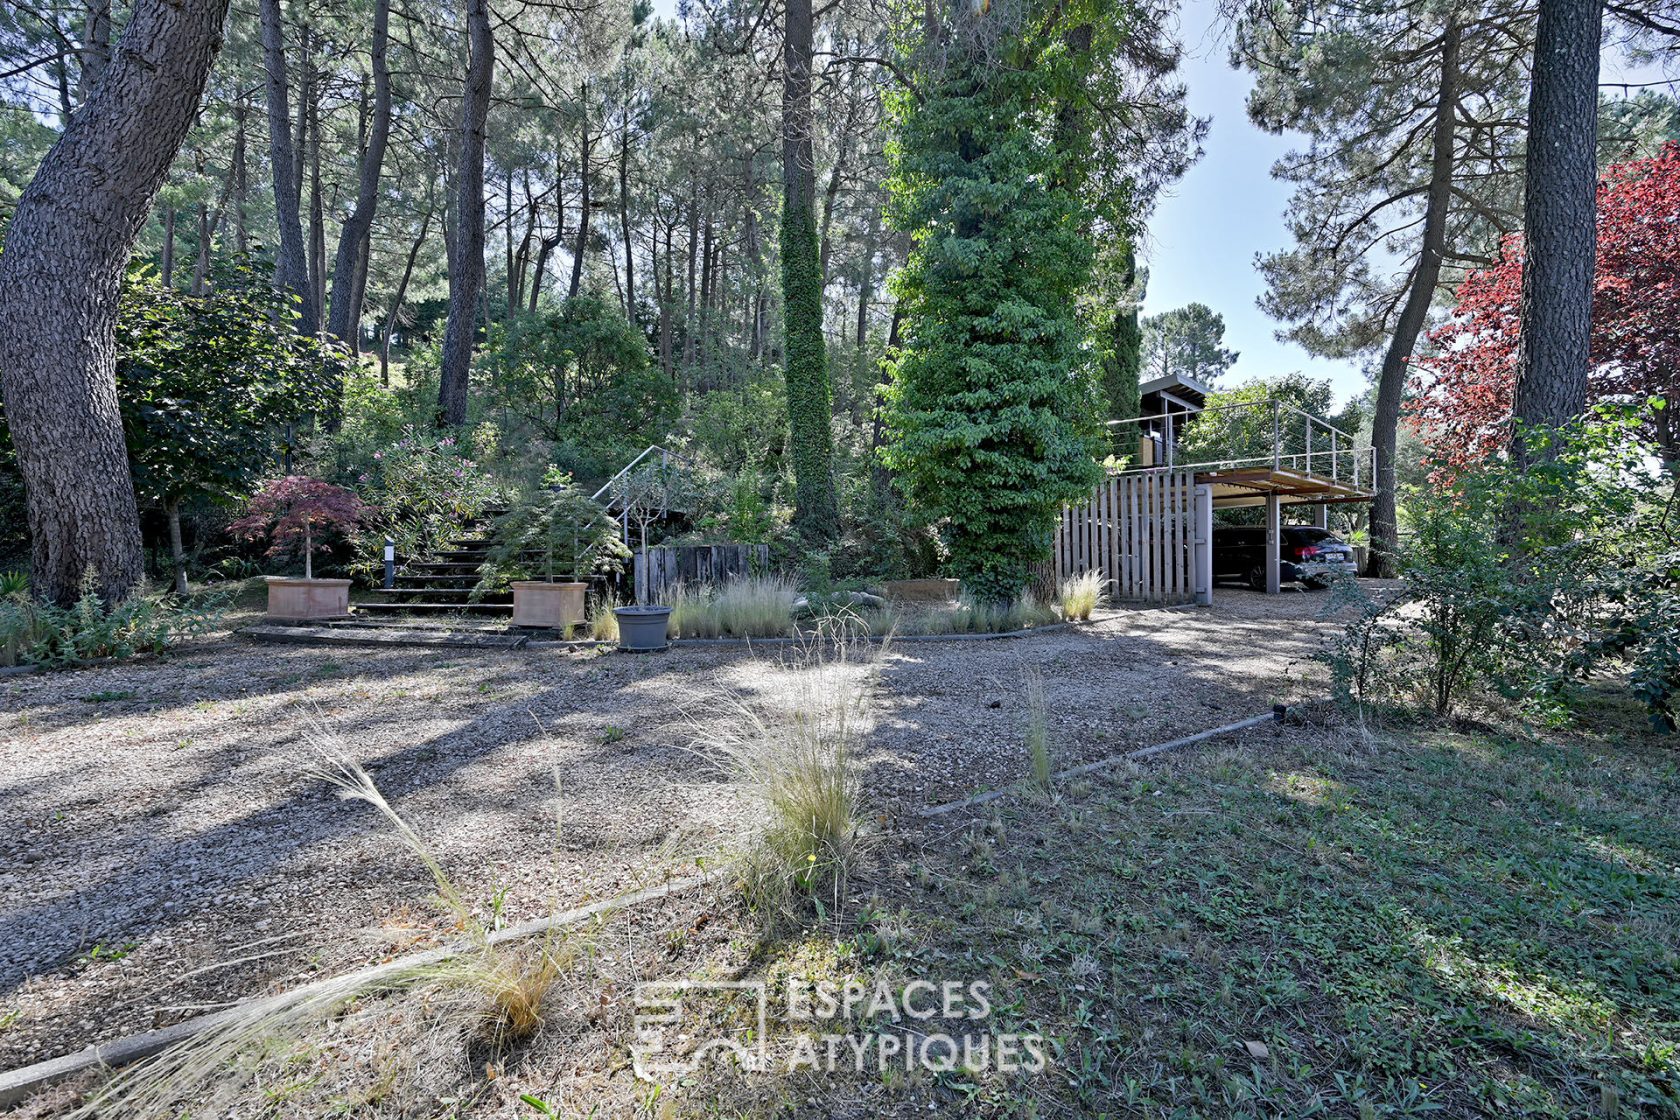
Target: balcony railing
1258,434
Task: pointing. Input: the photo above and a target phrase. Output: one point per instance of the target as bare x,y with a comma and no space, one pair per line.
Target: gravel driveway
163,849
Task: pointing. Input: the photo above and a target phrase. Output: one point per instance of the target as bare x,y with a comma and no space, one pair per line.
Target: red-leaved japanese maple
1465,389
290,513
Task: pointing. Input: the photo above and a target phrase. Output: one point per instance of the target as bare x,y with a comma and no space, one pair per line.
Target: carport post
1202,553
1323,518
1274,541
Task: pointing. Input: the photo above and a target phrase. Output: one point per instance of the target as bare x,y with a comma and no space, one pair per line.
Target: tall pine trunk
349,282
1391,381
466,263
1560,201
290,265
66,247
809,406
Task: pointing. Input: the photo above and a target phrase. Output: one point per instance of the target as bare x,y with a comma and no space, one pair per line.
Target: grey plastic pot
642,628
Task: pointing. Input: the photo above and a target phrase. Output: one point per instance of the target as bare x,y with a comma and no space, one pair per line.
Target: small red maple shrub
291,511
1466,389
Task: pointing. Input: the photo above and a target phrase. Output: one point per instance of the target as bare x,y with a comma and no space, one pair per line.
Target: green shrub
61,637
1516,585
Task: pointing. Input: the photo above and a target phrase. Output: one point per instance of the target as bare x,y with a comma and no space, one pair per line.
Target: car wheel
1257,577
1318,583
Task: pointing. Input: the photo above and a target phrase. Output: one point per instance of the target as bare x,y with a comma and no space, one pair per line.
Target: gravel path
163,849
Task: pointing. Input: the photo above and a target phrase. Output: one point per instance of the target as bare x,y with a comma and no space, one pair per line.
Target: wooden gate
1139,531
662,567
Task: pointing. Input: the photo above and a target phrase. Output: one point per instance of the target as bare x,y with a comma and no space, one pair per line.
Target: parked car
1308,555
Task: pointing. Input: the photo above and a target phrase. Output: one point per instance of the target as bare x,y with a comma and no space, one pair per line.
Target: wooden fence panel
1136,529
661,568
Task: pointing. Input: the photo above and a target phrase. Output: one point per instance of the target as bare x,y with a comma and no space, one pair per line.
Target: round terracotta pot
553,606
308,600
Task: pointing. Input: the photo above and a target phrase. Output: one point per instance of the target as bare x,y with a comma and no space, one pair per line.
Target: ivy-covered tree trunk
811,439
1123,364
60,273
992,410
350,266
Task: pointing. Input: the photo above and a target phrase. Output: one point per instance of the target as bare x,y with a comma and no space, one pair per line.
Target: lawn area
1440,921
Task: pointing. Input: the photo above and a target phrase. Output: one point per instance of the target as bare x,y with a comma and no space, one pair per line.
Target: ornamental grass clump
759,606
1081,595
795,749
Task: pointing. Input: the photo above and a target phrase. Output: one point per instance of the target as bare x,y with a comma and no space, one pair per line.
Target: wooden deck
1249,486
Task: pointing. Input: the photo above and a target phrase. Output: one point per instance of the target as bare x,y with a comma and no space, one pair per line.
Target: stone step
443,593
402,606
383,636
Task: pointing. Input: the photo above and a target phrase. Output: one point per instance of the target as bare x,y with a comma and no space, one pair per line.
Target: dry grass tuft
796,751
749,607
1081,595
1042,768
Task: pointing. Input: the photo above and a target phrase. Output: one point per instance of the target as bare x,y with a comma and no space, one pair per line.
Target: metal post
1169,438
1202,551
1274,542
390,563
1323,518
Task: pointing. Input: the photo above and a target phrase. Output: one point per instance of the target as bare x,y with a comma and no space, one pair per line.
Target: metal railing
1268,434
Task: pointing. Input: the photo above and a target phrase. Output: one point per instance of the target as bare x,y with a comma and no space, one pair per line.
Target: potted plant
556,531
293,513
645,496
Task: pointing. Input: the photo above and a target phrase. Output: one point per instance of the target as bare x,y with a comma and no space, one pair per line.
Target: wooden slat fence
1138,530
662,567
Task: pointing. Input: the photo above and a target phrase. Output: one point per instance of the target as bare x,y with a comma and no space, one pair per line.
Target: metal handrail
630,466
1342,443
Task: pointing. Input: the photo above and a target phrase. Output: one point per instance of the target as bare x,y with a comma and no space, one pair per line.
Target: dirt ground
164,849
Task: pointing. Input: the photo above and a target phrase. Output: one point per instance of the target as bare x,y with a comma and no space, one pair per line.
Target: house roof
1184,388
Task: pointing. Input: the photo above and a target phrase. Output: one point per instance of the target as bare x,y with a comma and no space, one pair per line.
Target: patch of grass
749,607
1443,923
1081,595
108,695
964,617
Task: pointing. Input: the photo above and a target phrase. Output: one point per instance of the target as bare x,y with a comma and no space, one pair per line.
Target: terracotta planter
553,606
643,629
921,590
308,599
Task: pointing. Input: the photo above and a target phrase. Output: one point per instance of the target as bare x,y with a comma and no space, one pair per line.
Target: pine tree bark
1391,381
66,247
1560,202
290,269
809,404
466,264
624,221
349,283
584,173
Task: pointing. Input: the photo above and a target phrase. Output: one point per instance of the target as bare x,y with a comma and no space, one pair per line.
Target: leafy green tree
207,385
1187,341
583,376
992,406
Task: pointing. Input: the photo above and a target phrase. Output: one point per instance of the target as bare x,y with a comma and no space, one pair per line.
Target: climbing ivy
992,413
808,399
